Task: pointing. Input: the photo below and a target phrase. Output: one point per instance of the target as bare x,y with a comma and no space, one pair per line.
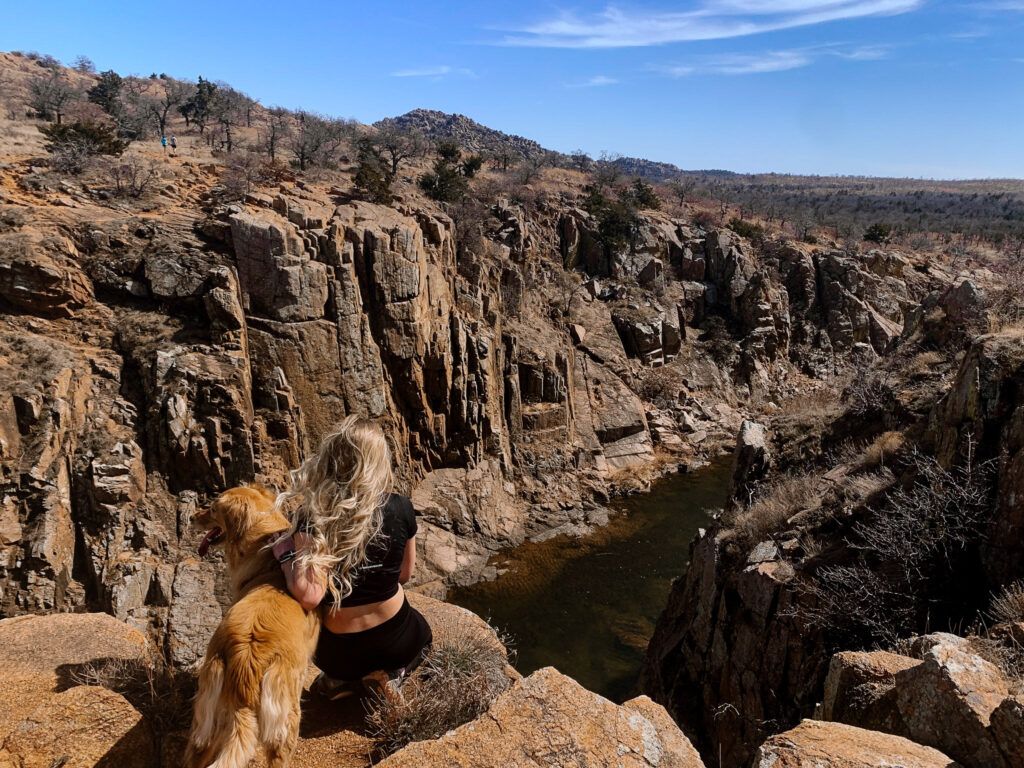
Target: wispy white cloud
771,61
861,53
714,19
423,72
970,34
594,82
435,72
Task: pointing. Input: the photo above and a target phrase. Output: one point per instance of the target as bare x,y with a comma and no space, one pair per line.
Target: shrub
96,138
910,557
747,229
878,233
132,177
1008,605
449,151
704,219
642,195
457,682
662,385
445,183
107,92
868,396
244,171
616,219
84,64
472,165
373,177
1006,300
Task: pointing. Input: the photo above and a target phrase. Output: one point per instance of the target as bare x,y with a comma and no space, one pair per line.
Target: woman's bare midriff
356,618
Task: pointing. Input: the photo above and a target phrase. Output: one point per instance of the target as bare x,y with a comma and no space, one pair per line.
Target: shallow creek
588,606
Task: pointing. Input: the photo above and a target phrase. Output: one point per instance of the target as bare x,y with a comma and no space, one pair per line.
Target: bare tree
580,160
172,95
682,187
606,171
49,96
274,128
228,110
316,138
504,157
529,169
398,145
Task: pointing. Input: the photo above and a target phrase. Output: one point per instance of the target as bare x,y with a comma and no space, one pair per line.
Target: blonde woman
351,547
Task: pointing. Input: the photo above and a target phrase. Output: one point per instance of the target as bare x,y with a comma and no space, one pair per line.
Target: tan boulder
42,655
549,719
947,702
1008,730
860,690
814,744
79,728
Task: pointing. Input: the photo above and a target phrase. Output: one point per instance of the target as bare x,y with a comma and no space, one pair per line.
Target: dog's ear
237,510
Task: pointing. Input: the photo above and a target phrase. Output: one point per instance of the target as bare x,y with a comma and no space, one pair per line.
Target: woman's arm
408,561
307,585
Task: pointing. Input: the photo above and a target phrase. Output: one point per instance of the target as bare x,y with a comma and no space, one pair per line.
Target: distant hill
475,137
467,133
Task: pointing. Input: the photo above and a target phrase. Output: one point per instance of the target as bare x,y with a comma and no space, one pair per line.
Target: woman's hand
307,585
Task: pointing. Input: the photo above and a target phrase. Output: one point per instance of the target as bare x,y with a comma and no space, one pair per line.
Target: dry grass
1008,605
924,363
1008,657
811,546
811,406
162,694
882,451
457,682
769,512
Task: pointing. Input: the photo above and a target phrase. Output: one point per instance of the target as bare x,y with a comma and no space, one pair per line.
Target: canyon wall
523,372
738,653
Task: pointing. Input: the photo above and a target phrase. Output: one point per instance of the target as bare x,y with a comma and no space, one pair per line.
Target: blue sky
879,87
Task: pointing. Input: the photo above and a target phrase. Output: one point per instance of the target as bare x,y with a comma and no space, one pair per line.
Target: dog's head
236,516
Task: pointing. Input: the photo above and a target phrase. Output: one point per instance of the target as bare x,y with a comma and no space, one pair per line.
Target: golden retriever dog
251,679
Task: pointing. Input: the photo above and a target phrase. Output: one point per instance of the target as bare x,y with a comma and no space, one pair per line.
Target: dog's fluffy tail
208,716
222,732
279,705
241,741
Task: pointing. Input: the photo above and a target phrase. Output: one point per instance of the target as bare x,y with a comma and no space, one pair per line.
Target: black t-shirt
376,578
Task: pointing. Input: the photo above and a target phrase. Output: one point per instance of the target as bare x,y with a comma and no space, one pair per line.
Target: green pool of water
588,606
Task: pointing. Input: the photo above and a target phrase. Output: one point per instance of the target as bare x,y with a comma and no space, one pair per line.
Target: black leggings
392,645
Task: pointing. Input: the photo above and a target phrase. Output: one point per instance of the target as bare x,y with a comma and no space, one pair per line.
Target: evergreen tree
107,93
198,109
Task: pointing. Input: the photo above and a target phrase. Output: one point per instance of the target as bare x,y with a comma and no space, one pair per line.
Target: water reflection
588,606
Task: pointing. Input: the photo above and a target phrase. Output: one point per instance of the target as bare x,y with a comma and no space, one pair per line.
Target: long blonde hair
338,496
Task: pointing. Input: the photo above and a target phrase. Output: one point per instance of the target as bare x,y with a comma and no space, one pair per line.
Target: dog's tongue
204,545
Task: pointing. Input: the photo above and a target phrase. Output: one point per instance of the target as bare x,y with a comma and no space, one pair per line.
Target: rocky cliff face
152,359
742,650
